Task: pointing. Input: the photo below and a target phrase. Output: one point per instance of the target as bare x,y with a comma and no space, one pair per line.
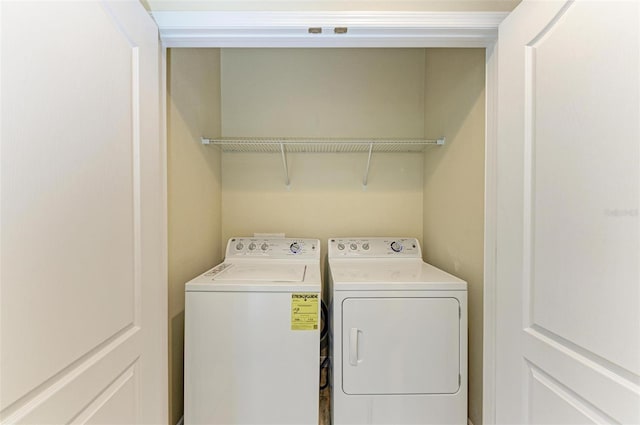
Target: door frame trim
490,237
281,29
292,29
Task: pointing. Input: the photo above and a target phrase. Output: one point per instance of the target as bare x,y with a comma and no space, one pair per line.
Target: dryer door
400,345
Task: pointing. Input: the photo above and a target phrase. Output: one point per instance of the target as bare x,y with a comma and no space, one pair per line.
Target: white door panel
59,191
116,406
584,150
82,214
568,231
69,396
608,393
552,403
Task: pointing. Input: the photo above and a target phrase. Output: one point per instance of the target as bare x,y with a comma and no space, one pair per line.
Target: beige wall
326,197
322,93
454,185
194,186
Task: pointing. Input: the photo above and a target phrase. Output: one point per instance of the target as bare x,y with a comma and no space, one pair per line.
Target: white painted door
568,294
83,282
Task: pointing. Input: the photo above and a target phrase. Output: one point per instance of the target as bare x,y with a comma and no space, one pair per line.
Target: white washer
399,342
252,336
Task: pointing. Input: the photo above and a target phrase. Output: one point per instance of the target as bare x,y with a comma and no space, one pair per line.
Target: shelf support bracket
366,171
287,182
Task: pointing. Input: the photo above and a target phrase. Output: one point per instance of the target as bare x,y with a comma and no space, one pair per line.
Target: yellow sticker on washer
304,312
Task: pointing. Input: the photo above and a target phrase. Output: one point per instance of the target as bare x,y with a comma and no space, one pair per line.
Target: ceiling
333,5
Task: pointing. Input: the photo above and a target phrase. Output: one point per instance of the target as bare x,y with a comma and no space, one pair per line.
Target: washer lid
258,277
263,272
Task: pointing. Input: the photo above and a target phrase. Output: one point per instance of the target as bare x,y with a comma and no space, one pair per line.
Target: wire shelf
291,145
275,145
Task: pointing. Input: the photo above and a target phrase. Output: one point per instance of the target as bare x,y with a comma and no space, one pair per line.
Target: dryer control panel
374,247
273,248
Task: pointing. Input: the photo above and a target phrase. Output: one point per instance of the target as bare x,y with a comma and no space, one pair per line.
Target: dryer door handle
353,347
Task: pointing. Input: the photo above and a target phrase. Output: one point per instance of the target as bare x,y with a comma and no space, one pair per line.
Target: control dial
396,246
365,246
239,246
295,247
353,246
252,246
340,246
264,246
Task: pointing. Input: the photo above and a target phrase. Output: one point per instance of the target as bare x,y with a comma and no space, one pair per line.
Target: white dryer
252,335
399,335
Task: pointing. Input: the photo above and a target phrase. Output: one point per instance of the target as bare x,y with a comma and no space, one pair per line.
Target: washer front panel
352,401
401,345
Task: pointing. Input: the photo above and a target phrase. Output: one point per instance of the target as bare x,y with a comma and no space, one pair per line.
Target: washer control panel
374,247
217,269
273,248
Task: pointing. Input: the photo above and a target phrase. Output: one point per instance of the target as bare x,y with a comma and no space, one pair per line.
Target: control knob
295,247
396,246
365,246
353,246
239,246
252,246
340,246
264,246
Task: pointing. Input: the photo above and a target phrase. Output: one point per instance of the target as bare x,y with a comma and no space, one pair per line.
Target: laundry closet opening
436,195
